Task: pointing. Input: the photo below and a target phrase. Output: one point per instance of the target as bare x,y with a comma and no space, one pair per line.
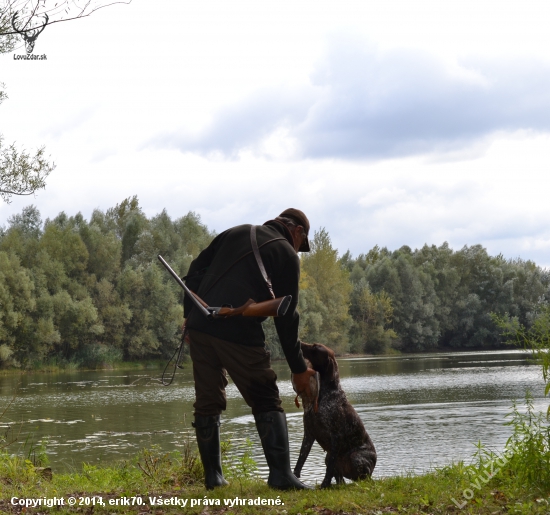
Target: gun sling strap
256,251
258,257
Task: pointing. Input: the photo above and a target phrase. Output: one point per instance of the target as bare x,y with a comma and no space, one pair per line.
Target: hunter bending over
242,263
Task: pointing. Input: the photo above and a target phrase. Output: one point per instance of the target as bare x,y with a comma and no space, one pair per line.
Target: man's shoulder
239,229
270,240
264,234
238,232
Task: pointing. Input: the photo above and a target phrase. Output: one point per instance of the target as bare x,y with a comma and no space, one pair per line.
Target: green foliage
17,303
272,340
22,173
529,447
97,356
164,469
78,293
372,313
529,444
523,466
243,467
442,298
156,315
428,493
536,337
324,296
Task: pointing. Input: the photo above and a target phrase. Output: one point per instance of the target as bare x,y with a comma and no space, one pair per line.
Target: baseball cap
301,219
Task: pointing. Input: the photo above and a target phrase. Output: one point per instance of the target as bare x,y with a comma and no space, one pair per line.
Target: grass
515,482
154,474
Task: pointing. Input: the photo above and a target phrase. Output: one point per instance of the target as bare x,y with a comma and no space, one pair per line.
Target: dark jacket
220,275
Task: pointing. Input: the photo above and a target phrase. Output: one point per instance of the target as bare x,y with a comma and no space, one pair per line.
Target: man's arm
286,282
288,325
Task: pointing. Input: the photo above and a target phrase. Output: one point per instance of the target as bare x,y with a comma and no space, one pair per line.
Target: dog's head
322,360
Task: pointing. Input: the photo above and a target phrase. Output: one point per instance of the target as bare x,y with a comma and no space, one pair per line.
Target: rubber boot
208,438
274,436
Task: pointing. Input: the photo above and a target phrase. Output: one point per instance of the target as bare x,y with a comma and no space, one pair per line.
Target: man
229,271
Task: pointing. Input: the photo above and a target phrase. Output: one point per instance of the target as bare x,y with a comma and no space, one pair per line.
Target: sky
388,123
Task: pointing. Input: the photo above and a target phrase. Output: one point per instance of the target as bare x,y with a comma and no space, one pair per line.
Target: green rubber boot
273,433
208,438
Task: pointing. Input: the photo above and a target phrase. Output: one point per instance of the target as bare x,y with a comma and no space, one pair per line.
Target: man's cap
301,219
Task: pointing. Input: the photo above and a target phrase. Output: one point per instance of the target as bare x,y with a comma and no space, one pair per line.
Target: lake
421,411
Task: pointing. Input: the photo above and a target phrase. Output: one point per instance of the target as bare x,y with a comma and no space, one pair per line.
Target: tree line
91,291
428,299
80,291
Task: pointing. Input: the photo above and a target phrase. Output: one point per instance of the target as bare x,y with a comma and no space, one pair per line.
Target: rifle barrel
201,306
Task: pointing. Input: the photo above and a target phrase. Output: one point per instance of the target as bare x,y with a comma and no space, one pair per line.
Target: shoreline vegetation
77,293
160,364
53,368
517,481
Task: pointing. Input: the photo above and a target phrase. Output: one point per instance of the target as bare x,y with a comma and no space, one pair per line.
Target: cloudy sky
388,122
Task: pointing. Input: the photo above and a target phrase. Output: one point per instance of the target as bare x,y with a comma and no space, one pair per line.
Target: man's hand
187,340
301,382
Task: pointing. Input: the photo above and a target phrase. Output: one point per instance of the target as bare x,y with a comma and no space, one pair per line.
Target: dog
331,420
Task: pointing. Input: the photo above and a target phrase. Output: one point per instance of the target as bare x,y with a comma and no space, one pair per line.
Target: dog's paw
325,484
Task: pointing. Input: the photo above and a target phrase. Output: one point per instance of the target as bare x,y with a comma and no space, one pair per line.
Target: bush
529,447
98,356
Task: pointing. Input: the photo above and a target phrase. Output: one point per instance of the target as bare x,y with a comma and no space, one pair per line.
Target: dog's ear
332,366
305,346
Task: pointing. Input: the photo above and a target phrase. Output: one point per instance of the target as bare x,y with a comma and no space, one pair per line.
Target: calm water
420,411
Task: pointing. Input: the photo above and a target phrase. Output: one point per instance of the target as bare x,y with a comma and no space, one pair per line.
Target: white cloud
452,98
366,104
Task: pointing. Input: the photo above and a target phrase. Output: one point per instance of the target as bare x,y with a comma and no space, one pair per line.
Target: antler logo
29,35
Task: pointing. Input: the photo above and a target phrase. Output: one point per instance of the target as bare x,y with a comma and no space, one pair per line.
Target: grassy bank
141,483
57,365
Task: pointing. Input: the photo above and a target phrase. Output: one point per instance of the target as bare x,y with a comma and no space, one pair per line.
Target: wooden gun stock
269,308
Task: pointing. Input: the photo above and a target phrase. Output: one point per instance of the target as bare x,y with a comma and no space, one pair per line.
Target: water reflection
420,411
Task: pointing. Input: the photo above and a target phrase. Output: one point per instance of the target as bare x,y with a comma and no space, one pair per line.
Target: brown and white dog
331,420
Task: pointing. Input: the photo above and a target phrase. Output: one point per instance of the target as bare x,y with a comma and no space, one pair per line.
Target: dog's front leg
330,462
307,443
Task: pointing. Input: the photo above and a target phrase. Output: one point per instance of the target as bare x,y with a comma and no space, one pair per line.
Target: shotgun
269,308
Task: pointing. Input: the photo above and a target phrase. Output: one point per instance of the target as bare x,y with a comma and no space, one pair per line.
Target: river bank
154,364
91,426
161,484
99,417
54,368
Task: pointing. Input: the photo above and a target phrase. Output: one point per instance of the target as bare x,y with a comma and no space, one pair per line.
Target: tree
8,40
33,13
16,299
155,314
372,314
325,295
21,173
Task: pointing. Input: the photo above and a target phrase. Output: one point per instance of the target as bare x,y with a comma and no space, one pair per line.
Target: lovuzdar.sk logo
29,31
